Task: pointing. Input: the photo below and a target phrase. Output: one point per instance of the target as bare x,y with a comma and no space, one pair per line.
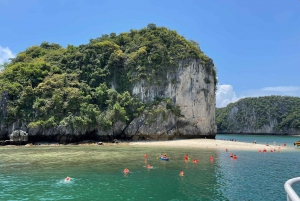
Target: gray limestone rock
18,135
191,88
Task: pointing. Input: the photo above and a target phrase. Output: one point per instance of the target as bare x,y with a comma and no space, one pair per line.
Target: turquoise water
37,173
262,139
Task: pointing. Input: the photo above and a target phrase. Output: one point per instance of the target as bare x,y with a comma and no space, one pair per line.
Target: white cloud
225,93
5,54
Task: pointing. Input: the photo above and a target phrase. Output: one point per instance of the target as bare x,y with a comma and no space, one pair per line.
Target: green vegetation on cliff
90,85
282,112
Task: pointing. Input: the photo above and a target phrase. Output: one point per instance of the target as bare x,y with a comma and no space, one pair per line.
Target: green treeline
257,112
91,85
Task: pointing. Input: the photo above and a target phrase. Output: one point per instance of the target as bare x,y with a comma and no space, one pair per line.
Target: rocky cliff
190,88
262,115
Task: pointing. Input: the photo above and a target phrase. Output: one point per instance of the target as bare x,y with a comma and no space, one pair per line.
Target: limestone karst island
142,84
276,115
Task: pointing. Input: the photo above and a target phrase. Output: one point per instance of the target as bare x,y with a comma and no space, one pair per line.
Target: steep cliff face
191,88
263,115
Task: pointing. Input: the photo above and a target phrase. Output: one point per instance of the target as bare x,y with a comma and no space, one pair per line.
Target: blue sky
255,44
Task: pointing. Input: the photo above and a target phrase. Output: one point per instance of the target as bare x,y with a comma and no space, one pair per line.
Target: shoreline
210,144
178,143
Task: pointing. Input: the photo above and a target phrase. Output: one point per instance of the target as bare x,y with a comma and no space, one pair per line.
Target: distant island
261,115
142,84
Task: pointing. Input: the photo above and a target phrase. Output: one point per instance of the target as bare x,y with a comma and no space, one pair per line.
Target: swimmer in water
126,171
181,173
67,179
149,166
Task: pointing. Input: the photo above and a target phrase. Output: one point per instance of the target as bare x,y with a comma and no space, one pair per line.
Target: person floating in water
181,173
195,161
165,156
186,157
126,171
149,166
67,179
146,156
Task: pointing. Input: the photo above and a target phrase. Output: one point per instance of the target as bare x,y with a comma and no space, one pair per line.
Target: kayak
164,159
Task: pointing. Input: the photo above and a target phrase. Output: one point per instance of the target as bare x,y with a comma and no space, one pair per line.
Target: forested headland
260,115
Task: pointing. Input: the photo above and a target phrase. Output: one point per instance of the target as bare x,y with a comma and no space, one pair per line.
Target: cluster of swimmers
233,156
274,143
271,150
187,158
181,173
164,156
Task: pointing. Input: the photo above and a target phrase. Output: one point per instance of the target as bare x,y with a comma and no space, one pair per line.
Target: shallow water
37,173
262,139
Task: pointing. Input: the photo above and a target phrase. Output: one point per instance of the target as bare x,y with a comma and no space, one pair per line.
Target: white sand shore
209,143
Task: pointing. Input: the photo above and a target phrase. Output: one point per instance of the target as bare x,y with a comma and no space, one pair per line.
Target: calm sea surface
37,173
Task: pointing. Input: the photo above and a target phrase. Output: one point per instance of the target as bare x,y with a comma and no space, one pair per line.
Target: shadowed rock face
3,111
190,87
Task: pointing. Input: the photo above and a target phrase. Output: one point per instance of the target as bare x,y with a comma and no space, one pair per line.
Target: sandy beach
210,144
184,143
